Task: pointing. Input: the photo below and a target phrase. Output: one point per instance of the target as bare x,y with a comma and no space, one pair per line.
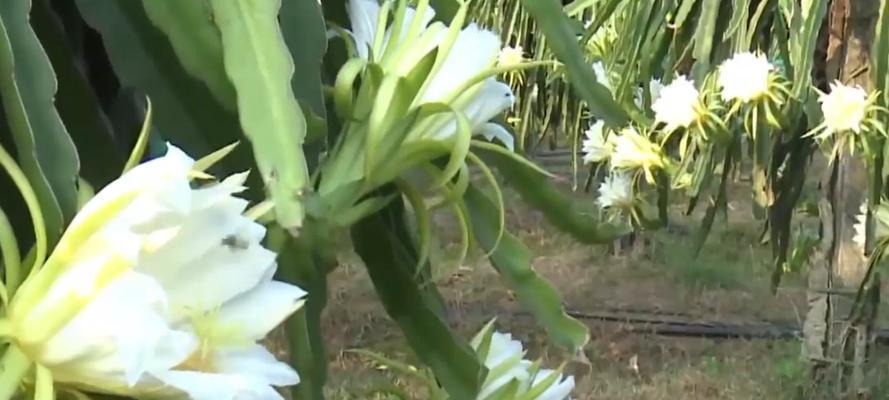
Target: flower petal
223,274
492,99
263,308
118,336
162,184
258,364
474,50
212,386
559,390
488,100
364,15
492,131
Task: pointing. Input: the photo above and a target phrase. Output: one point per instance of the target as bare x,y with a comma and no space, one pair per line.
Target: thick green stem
13,367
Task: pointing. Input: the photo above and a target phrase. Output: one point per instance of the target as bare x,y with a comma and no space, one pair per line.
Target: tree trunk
840,264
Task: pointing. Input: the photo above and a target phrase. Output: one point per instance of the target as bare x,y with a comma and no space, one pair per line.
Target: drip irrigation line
658,322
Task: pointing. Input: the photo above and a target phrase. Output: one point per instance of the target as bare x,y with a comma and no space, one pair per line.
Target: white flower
160,288
506,366
510,56
632,150
602,75
654,88
745,77
560,390
881,224
677,103
860,226
474,51
595,147
506,355
616,191
844,108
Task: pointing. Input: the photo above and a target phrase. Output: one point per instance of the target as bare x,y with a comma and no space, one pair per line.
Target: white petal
161,182
221,275
169,251
559,390
420,47
210,195
258,364
519,373
502,348
117,337
475,50
492,99
263,308
364,15
409,14
210,386
602,75
85,269
493,131
488,100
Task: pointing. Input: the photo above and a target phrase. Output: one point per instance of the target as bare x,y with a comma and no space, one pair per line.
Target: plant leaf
258,63
880,52
185,111
45,151
555,26
512,261
302,24
76,101
390,261
305,261
537,191
189,27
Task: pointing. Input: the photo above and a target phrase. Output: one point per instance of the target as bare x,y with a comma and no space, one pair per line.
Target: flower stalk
14,365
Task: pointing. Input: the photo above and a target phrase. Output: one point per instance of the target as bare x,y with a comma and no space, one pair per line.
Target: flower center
213,334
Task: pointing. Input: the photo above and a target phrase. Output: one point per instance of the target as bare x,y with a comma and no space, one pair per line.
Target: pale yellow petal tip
510,56
194,174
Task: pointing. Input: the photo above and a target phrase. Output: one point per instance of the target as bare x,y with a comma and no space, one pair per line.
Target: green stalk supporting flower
426,89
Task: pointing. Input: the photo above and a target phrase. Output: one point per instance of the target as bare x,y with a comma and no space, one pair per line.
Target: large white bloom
677,104
616,191
506,366
745,77
596,148
474,51
844,108
160,289
632,150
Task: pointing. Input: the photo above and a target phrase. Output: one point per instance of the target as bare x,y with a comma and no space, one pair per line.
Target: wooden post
829,336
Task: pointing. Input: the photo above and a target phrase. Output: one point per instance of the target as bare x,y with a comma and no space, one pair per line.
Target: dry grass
729,281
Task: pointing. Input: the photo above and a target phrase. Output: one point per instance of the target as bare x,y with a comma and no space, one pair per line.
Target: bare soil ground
729,281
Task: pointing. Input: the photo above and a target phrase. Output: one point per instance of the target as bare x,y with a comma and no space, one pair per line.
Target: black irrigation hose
665,324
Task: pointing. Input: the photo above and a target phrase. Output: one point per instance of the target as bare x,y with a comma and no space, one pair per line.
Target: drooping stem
13,367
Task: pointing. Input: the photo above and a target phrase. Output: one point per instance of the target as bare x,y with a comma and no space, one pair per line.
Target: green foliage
391,266
185,110
259,65
45,150
511,259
